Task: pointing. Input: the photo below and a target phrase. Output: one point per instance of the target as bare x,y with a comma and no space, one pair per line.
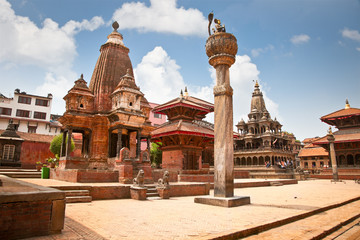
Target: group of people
281,164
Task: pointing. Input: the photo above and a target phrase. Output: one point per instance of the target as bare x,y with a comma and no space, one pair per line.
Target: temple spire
186,92
347,105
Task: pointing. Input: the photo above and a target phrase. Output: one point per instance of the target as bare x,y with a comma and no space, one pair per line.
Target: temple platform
312,209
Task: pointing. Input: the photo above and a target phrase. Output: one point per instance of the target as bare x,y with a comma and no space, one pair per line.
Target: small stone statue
218,26
164,182
330,131
139,180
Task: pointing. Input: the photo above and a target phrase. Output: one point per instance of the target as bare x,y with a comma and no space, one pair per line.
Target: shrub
155,154
55,145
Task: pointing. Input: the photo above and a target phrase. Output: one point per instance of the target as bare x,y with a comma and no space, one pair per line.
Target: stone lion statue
164,182
139,180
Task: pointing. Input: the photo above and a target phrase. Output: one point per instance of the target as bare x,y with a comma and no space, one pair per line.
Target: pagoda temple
112,115
187,140
347,138
260,139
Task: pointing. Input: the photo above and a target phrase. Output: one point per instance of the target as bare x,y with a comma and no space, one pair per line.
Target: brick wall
172,160
32,152
178,190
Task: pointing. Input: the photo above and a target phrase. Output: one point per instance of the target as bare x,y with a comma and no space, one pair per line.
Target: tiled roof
342,113
186,101
347,135
34,137
182,127
313,151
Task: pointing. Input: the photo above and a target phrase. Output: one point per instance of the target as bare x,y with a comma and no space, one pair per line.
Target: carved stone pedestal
138,193
164,193
234,201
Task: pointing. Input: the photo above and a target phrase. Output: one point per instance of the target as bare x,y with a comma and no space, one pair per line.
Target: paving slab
181,218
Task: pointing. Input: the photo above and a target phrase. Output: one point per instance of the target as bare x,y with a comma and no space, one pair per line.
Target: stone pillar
148,143
138,143
68,144
223,119
119,142
331,139
221,48
63,144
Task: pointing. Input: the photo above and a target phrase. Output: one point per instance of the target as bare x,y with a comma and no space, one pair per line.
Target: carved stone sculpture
139,180
164,182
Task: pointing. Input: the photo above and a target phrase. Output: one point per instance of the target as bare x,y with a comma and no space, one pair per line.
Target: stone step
72,193
152,194
276,184
151,190
78,199
22,174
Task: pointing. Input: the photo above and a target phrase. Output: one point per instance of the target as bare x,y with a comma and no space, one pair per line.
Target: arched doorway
350,160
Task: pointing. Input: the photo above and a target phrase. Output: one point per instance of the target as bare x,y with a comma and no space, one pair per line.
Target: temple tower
112,64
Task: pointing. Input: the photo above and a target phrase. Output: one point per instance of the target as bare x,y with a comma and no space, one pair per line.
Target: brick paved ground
181,218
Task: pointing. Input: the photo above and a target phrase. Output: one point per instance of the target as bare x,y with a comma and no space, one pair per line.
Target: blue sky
305,54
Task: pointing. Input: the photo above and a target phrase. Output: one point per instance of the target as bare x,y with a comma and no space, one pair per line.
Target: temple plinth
221,48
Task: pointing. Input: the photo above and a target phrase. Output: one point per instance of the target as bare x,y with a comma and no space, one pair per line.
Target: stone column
331,139
119,142
63,144
68,144
138,143
221,48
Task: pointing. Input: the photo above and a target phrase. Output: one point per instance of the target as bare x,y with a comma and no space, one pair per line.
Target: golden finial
347,105
186,92
256,83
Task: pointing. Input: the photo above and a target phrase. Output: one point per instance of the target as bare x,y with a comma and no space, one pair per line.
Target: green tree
156,154
55,145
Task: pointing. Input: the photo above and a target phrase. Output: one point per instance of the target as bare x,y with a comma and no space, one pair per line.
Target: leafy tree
156,154
55,145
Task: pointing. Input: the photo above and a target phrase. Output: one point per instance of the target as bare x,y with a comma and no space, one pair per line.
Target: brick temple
112,116
187,140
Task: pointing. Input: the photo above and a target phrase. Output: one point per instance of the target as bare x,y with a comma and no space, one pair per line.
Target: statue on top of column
218,26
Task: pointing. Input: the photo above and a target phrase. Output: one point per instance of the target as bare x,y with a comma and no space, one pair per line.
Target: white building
30,113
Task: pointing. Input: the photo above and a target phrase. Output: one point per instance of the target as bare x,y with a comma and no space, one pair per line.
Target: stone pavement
181,218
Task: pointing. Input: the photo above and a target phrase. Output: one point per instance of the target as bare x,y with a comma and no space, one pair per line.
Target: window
40,115
31,129
25,100
157,115
8,153
22,113
41,102
5,111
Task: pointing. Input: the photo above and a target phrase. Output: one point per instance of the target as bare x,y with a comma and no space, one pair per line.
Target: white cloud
256,52
161,16
351,34
158,69
158,76
48,47
300,39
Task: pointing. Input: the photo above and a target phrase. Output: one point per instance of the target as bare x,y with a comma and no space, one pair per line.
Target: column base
222,201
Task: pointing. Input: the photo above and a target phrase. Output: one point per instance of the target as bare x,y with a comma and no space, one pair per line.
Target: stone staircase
151,191
76,194
20,173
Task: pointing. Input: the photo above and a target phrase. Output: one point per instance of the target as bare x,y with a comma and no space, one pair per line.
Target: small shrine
346,138
112,115
10,147
187,140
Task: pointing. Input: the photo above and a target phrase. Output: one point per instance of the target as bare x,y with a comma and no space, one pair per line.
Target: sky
304,53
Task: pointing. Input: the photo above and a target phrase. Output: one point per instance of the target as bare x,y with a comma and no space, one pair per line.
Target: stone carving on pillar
145,156
221,48
331,139
124,154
